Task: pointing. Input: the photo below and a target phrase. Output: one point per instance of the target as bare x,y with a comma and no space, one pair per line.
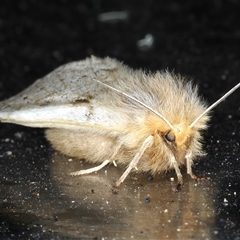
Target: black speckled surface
38,199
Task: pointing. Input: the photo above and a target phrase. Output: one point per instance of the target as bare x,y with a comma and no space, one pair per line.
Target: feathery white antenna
136,100
215,104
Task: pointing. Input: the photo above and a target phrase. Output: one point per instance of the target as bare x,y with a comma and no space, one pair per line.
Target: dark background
199,39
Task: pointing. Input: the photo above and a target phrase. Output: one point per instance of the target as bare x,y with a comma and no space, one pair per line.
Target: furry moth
105,112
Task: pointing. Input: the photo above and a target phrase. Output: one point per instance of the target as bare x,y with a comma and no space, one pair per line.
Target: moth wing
68,97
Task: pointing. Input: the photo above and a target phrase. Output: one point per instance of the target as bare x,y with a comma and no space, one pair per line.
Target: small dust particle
147,200
171,179
18,135
9,153
165,210
150,178
70,159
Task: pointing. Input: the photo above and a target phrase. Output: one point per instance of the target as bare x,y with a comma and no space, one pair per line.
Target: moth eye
170,137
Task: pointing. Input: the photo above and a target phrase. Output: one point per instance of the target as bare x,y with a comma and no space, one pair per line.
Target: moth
105,112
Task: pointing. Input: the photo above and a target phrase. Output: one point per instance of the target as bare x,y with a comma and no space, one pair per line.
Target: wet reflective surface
39,199
50,201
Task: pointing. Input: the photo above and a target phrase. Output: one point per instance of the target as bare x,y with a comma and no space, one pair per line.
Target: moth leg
90,170
189,168
99,167
189,165
178,172
147,143
115,153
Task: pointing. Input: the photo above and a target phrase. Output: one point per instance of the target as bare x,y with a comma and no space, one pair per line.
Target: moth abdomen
81,144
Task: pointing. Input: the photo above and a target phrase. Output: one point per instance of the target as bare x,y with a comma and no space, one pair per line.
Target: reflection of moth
103,111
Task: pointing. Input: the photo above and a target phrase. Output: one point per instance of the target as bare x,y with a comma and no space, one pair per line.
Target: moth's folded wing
67,97
61,116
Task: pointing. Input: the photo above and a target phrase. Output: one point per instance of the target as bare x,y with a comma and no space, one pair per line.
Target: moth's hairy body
85,119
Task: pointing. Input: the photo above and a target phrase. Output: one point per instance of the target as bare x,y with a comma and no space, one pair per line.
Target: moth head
176,136
182,139
179,137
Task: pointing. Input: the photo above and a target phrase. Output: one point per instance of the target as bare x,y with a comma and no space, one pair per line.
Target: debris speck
9,153
150,178
113,17
19,135
146,43
147,199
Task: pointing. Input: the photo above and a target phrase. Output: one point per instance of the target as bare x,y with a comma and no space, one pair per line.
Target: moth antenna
215,104
136,100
